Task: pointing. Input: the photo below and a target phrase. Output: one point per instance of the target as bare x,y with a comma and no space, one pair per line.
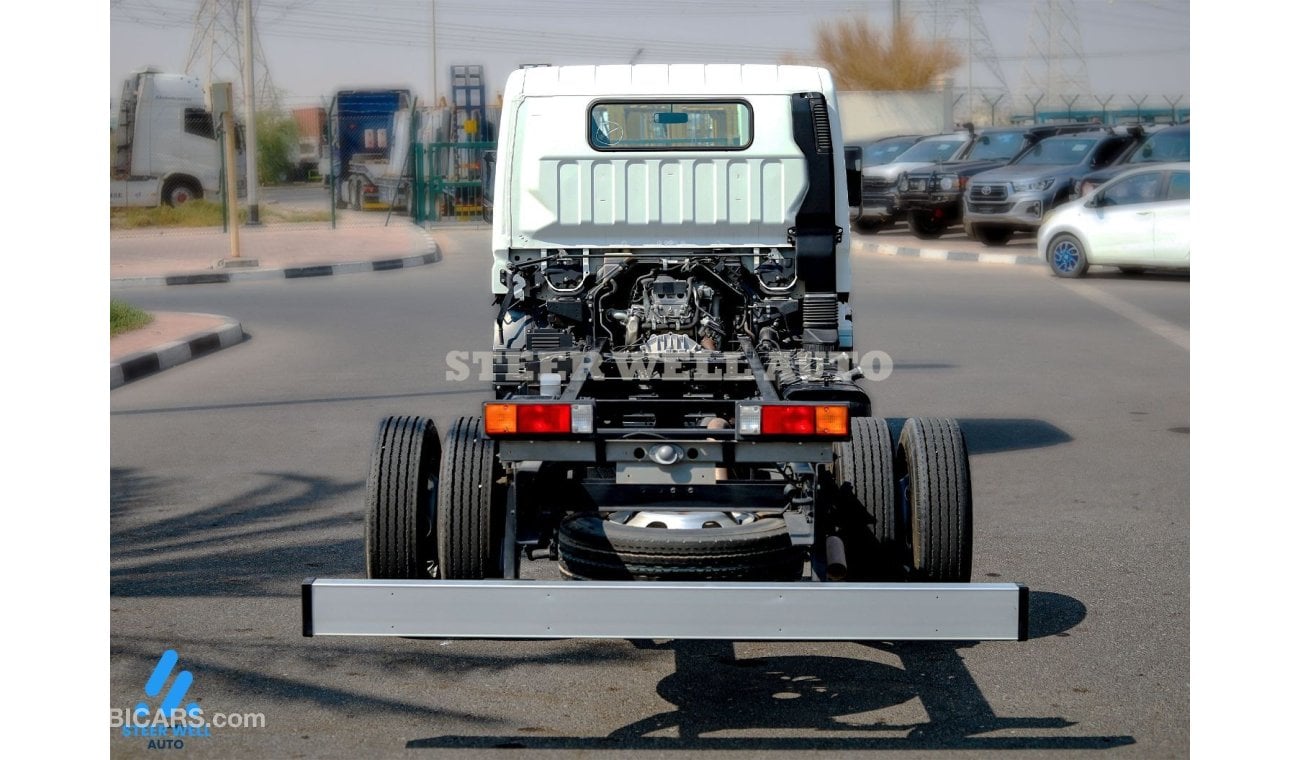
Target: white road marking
1167,330
999,258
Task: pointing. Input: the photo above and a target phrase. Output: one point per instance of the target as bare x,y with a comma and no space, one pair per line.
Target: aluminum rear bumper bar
797,611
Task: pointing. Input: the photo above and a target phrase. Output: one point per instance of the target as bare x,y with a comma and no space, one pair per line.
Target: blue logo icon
180,685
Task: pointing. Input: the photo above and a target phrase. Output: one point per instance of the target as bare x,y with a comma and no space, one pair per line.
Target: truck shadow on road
825,703
257,540
232,665
989,436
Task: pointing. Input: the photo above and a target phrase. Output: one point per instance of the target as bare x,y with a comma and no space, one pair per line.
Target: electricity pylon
1054,70
962,25
216,47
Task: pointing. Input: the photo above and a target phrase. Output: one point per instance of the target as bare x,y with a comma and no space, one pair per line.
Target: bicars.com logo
180,687
164,716
165,722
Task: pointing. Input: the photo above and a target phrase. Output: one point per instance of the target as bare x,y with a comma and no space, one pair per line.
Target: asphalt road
236,476
301,195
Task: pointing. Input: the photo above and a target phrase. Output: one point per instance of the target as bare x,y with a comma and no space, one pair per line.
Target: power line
217,40
1055,67
484,25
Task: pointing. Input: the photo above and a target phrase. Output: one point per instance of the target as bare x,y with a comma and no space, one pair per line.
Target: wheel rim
682,520
1065,256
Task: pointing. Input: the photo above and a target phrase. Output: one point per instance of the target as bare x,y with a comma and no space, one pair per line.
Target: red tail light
543,418
789,420
793,420
510,418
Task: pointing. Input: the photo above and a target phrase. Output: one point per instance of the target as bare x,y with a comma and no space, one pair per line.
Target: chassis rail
795,611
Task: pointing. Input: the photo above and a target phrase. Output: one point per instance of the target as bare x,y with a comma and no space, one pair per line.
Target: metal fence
448,181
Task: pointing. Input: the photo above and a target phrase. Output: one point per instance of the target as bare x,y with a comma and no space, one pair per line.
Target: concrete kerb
431,255
145,363
1006,259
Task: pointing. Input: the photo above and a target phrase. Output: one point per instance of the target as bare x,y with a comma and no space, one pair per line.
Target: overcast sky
1133,48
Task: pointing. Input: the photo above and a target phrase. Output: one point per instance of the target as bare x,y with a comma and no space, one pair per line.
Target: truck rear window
671,125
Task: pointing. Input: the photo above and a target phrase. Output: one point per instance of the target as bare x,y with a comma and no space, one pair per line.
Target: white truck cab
165,142
678,159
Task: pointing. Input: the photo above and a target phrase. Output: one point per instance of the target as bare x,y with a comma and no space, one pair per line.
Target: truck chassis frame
646,449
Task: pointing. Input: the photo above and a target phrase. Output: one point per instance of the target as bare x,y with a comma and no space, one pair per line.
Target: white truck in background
165,147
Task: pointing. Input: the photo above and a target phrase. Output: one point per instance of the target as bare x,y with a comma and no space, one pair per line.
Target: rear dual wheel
433,510
471,515
400,506
933,470
904,510
865,514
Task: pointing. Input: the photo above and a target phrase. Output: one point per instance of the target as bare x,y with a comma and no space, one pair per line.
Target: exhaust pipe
836,564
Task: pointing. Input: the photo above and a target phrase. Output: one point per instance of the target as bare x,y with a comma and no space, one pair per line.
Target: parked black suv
879,206
931,197
1172,143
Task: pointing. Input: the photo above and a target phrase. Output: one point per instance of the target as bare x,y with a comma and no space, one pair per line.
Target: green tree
861,57
277,147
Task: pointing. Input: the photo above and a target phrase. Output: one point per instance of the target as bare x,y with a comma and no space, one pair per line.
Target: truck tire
470,514
934,473
868,225
597,549
181,191
399,499
925,226
992,235
865,513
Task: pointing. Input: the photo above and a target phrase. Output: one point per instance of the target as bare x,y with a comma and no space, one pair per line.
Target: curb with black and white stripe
431,255
936,254
159,358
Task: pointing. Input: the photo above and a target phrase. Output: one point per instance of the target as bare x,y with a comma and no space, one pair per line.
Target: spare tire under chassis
597,549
